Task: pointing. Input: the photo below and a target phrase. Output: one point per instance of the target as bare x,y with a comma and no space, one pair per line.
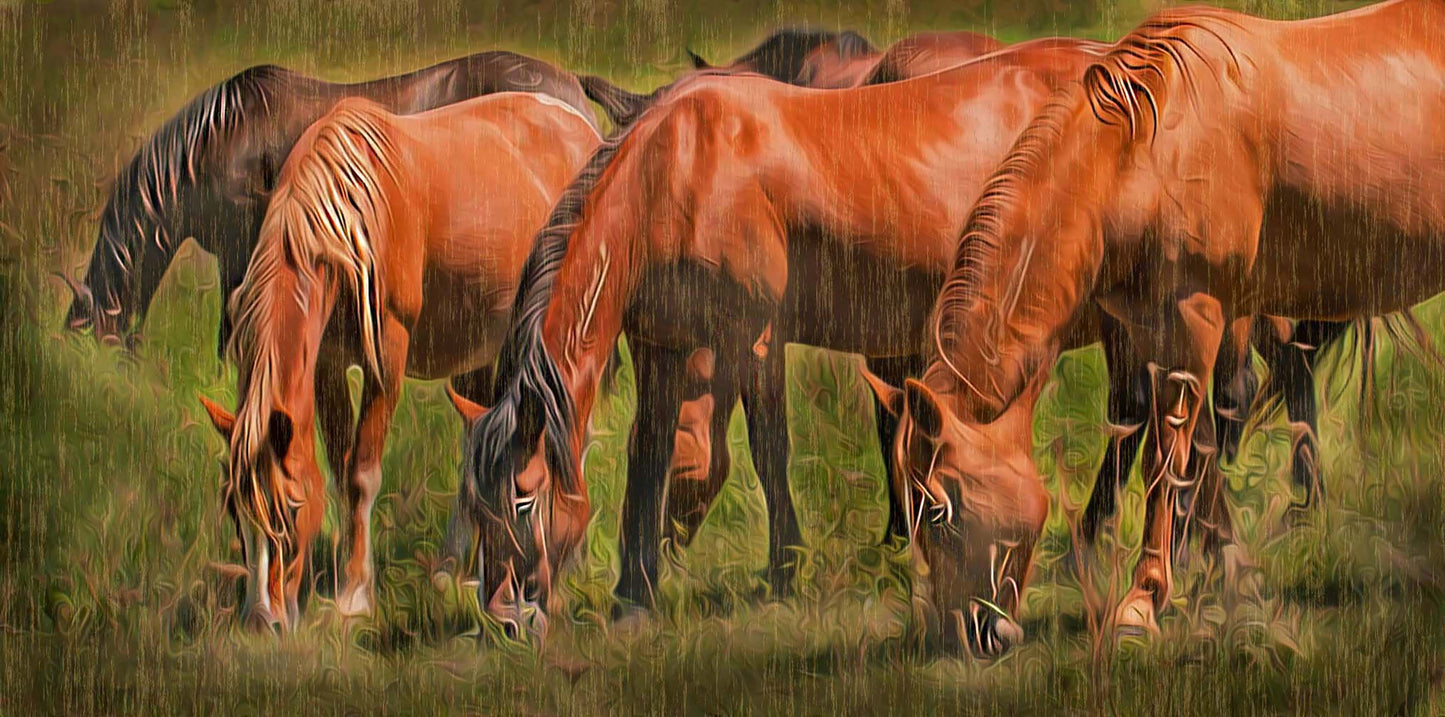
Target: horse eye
523,505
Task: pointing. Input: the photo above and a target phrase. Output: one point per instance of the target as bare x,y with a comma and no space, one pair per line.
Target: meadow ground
113,592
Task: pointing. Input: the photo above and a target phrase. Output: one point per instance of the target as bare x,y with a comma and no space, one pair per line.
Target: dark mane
168,164
782,54
533,401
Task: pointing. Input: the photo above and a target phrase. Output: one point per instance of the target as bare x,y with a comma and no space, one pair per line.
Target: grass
112,598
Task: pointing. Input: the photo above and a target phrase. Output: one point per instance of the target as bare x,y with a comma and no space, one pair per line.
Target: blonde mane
330,214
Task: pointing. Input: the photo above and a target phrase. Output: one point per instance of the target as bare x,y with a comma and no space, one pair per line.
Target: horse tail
622,107
333,210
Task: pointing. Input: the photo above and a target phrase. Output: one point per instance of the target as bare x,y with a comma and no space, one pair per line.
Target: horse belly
847,298
460,327
1336,263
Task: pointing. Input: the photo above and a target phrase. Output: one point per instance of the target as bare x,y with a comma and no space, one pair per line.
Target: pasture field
116,591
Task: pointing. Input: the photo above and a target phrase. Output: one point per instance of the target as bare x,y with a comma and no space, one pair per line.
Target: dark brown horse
737,203
815,58
1210,167
209,170
420,224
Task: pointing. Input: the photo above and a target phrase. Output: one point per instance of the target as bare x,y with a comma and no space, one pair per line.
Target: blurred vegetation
114,591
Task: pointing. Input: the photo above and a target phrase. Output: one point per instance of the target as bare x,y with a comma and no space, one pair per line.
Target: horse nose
988,634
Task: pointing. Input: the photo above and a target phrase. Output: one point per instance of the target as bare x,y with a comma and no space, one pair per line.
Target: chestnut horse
1209,167
796,57
736,203
422,223
209,170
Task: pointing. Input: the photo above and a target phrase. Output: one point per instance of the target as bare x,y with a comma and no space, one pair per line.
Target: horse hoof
628,617
354,603
1135,616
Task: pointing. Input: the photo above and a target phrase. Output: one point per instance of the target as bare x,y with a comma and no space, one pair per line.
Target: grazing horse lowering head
975,510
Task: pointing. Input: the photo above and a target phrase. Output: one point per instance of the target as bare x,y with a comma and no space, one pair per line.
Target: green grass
111,531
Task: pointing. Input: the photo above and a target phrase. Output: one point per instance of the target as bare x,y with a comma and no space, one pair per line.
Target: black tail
621,106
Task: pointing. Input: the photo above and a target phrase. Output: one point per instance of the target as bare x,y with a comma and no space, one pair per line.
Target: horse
209,170
421,222
690,489
737,204
1209,167
814,58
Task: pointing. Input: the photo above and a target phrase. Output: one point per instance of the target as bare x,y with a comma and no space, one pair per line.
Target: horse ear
889,397
220,417
924,408
470,411
280,432
697,62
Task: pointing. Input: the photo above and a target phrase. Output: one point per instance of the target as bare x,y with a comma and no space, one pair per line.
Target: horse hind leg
690,495
1299,401
765,403
378,404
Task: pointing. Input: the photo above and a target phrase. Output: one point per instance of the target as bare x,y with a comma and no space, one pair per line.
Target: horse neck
1028,261
593,288
280,323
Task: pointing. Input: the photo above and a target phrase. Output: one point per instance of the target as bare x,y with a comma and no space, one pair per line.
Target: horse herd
955,210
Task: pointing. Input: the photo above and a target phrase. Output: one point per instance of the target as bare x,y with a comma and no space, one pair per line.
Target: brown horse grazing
794,56
1209,167
208,171
818,59
422,223
737,202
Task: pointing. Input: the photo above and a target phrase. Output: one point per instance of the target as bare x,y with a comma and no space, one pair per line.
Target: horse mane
329,212
149,186
782,54
1134,74
524,370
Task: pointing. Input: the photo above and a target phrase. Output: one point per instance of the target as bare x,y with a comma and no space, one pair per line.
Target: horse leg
688,497
1191,333
1235,385
659,374
1128,410
1298,384
768,437
1235,388
334,412
475,386
893,371
378,404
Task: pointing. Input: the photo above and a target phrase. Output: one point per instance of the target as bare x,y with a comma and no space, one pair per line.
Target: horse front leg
1190,338
659,374
378,404
893,372
1128,411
